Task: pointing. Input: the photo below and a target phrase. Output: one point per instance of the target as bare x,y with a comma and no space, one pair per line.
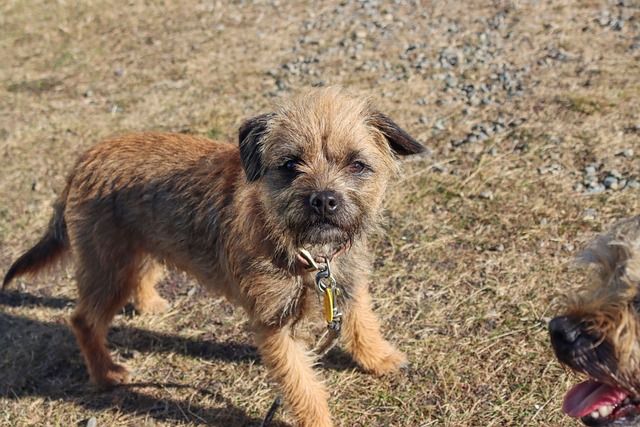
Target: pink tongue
588,396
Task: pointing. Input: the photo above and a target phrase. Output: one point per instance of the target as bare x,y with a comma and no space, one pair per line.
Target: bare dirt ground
530,110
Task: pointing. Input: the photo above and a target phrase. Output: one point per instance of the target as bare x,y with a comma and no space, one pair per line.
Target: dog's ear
400,141
251,135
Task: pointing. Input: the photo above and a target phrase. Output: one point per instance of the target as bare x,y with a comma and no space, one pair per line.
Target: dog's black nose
570,337
580,346
564,330
324,203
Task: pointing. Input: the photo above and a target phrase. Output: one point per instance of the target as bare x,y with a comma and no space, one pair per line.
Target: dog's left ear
251,138
400,141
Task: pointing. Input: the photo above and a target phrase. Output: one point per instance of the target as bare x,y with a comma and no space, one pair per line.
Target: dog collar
310,263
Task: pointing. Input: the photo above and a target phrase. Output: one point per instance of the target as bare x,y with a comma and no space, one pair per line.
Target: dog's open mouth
600,404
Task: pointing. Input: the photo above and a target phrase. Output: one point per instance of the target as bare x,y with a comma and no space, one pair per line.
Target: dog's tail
50,249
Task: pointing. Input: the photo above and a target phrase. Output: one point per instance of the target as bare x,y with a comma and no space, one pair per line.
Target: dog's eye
356,168
290,166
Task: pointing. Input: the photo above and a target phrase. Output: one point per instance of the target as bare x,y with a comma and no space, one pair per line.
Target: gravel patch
474,69
598,177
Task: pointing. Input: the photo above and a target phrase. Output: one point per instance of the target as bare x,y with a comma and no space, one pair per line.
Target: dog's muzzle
600,400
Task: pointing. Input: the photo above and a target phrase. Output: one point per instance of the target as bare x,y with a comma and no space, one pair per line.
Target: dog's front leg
290,364
362,336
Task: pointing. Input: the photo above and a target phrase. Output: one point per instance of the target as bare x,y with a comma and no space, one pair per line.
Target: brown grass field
479,235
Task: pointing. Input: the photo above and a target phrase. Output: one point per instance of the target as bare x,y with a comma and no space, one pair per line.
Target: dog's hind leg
145,297
104,287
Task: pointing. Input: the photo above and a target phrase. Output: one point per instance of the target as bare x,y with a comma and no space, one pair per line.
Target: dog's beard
304,228
323,231
322,236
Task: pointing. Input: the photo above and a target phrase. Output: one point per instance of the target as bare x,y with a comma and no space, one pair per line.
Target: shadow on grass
42,359
144,340
136,338
22,299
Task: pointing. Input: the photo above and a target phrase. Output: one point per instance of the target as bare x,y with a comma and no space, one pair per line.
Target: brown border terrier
599,333
258,223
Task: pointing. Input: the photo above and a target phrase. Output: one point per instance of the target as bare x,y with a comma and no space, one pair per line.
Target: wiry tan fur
609,307
234,218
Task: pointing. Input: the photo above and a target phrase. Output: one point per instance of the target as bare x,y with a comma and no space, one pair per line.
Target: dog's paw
387,362
157,305
391,363
114,376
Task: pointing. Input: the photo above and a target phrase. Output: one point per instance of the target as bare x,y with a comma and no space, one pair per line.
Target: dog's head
599,334
323,162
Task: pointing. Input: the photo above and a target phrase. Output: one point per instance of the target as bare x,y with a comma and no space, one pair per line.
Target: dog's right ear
251,136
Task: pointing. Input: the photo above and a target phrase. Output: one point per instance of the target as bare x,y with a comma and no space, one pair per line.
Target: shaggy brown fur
310,175
599,334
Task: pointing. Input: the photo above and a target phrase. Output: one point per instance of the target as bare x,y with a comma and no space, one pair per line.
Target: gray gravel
600,177
373,27
473,75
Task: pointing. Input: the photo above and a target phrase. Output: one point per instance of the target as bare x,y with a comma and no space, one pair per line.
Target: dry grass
465,279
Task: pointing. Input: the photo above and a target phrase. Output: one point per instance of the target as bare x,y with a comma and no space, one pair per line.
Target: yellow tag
328,305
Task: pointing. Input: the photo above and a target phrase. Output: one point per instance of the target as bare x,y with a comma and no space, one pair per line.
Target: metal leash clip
326,283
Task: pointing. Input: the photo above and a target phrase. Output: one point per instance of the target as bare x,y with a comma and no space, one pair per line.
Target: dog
599,334
256,223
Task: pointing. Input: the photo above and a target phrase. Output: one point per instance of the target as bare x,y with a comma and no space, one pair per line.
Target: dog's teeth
595,414
605,411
